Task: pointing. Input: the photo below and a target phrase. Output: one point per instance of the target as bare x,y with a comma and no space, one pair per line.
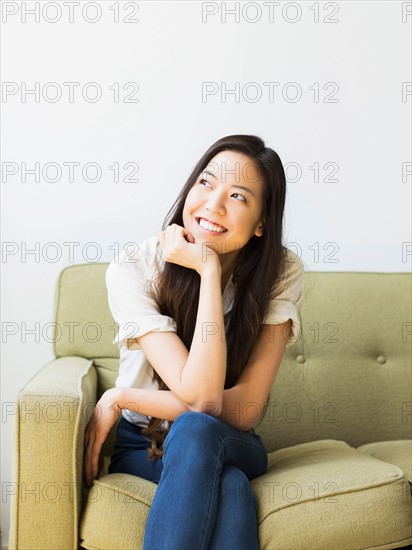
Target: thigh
131,454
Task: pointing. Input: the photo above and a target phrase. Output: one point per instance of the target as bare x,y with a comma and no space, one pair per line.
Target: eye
202,180
240,194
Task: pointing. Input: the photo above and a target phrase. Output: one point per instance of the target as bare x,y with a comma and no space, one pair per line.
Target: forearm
238,413
158,403
205,368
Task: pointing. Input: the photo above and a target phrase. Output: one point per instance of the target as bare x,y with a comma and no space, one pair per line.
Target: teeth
211,227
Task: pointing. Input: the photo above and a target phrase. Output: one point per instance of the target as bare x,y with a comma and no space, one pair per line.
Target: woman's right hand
179,247
105,414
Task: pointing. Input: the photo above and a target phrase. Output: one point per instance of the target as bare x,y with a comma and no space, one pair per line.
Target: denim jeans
204,500
130,453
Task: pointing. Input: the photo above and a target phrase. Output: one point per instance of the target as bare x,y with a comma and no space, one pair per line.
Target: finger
189,237
181,232
86,472
87,434
86,437
86,479
88,475
170,236
95,458
88,463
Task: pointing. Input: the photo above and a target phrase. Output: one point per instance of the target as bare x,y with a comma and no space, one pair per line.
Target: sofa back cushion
348,376
84,324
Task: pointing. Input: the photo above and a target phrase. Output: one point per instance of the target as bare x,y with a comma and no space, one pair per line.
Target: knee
195,422
193,426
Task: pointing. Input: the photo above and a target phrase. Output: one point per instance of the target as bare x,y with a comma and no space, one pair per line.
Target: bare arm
244,403
158,403
197,376
205,368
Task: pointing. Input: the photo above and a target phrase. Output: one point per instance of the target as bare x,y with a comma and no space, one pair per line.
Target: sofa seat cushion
395,452
116,512
325,494
318,495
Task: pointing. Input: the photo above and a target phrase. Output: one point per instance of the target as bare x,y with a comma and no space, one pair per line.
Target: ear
259,230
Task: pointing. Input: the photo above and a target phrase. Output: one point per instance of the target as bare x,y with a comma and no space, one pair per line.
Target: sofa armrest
47,493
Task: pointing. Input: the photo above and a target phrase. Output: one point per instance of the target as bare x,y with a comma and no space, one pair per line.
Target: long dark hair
258,267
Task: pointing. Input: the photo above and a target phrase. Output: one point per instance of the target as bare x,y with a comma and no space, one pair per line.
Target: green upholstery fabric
53,410
85,326
349,376
337,426
394,452
322,495
118,500
334,497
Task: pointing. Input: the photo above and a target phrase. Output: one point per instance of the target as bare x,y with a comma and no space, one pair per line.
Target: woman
205,310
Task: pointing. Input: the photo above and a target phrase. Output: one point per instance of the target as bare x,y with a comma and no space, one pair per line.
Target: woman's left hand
105,414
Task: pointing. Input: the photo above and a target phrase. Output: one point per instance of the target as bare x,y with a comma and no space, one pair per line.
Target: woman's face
216,196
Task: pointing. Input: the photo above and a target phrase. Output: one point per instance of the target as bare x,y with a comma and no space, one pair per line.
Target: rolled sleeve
289,295
135,312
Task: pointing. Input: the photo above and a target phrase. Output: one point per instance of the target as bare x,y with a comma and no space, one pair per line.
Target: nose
214,204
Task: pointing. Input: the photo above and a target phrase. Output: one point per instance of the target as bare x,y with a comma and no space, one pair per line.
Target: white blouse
129,278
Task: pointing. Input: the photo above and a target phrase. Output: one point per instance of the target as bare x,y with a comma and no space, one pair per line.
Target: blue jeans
130,453
204,500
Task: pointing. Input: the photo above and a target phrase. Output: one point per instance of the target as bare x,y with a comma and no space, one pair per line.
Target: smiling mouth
211,230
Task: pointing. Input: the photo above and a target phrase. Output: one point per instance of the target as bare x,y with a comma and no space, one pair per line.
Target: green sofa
337,427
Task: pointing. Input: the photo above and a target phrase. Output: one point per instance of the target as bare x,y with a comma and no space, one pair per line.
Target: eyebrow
237,186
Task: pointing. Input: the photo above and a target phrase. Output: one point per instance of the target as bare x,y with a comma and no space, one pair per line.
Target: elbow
208,402
246,427
212,407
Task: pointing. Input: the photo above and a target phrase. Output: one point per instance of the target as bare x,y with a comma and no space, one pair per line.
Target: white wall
353,111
